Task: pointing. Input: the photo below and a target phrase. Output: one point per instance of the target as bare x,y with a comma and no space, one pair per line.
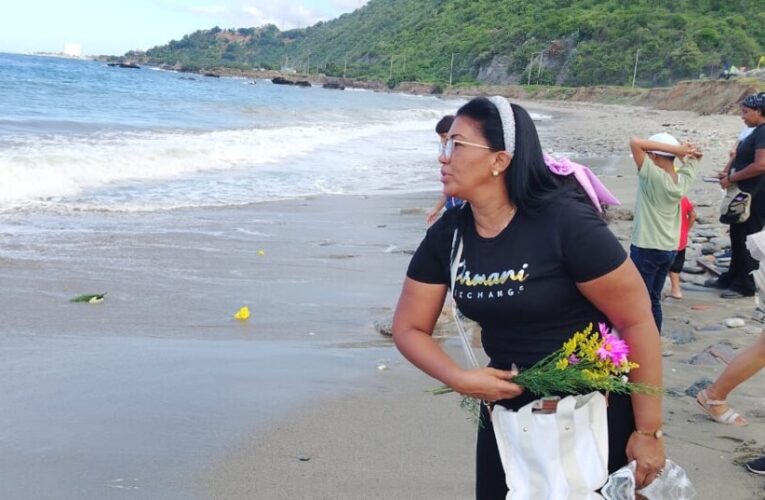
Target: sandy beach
159,393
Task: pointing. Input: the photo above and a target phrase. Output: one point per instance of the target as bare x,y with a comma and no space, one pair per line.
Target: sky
114,27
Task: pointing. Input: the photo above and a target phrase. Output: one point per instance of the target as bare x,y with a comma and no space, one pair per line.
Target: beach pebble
702,307
697,386
720,353
384,326
753,330
382,367
758,315
756,413
721,242
691,269
707,233
712,327
682,335
734,322
412,211
675,392
703,359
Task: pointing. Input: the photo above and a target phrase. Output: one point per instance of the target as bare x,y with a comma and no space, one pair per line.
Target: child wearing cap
656,226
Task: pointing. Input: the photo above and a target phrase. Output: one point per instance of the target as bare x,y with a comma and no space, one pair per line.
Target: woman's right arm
731,156
416,314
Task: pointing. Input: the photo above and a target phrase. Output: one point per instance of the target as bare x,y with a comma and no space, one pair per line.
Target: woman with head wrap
538,264
746,171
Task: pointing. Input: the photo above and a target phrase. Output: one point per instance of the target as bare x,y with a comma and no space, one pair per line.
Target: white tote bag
556,455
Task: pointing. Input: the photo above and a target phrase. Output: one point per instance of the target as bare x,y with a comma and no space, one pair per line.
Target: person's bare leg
674,282
742,367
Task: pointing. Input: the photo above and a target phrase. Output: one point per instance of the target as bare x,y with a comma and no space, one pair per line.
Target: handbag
547,453
735,206
554,455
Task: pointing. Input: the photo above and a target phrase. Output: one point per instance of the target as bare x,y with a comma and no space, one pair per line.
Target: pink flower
572,360
612,348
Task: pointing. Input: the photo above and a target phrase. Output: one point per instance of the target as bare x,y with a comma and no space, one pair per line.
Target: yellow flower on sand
242,314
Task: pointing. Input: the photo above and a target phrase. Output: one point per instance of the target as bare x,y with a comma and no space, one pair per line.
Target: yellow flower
589,375
562,364
627,366
569,346
242,314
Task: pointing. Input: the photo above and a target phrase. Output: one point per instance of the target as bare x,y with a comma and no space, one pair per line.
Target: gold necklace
491,231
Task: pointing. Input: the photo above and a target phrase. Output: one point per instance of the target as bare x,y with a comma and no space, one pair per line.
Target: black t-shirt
520,286
745,156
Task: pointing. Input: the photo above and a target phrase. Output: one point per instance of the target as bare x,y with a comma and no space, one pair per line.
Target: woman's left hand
725,182
649,453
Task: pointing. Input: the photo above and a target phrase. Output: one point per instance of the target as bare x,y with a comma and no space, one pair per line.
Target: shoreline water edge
158,392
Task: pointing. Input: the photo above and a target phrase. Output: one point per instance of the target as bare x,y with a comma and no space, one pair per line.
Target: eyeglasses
446,147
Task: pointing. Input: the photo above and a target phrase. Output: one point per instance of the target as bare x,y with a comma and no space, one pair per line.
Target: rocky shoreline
705,97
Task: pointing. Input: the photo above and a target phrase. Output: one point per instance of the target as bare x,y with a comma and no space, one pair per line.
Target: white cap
664,138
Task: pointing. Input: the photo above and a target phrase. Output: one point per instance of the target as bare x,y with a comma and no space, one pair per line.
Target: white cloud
348,5
213,10
292,15
285,15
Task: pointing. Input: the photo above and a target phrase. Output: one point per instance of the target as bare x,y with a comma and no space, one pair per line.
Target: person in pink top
687,218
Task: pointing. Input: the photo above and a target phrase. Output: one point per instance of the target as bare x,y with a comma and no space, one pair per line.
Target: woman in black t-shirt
747,169
538,264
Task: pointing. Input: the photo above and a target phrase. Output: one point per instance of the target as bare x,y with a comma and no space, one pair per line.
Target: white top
745,133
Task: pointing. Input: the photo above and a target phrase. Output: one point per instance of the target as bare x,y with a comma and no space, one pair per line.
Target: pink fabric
597,192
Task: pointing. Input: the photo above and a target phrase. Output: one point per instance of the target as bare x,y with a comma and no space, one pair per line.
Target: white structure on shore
72,50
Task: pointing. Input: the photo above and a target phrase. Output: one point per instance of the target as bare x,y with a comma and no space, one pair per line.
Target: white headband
508,121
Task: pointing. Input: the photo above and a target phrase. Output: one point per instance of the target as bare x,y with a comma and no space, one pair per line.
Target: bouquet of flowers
588,361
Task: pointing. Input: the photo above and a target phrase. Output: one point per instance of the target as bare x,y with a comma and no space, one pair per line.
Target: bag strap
456,256
567,444
527,442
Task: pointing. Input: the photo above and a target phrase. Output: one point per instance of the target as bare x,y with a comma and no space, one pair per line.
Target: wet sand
159,393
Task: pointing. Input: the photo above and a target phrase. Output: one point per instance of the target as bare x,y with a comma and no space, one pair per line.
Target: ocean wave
51,170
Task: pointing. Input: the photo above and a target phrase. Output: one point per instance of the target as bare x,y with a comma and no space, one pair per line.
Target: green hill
564,42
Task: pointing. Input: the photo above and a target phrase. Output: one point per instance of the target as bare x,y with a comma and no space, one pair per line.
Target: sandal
670,297
728,417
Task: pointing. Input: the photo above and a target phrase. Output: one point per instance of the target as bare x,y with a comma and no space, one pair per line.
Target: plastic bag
672,484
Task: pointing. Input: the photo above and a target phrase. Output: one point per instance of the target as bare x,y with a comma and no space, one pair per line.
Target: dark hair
444,124
755,102
529,182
